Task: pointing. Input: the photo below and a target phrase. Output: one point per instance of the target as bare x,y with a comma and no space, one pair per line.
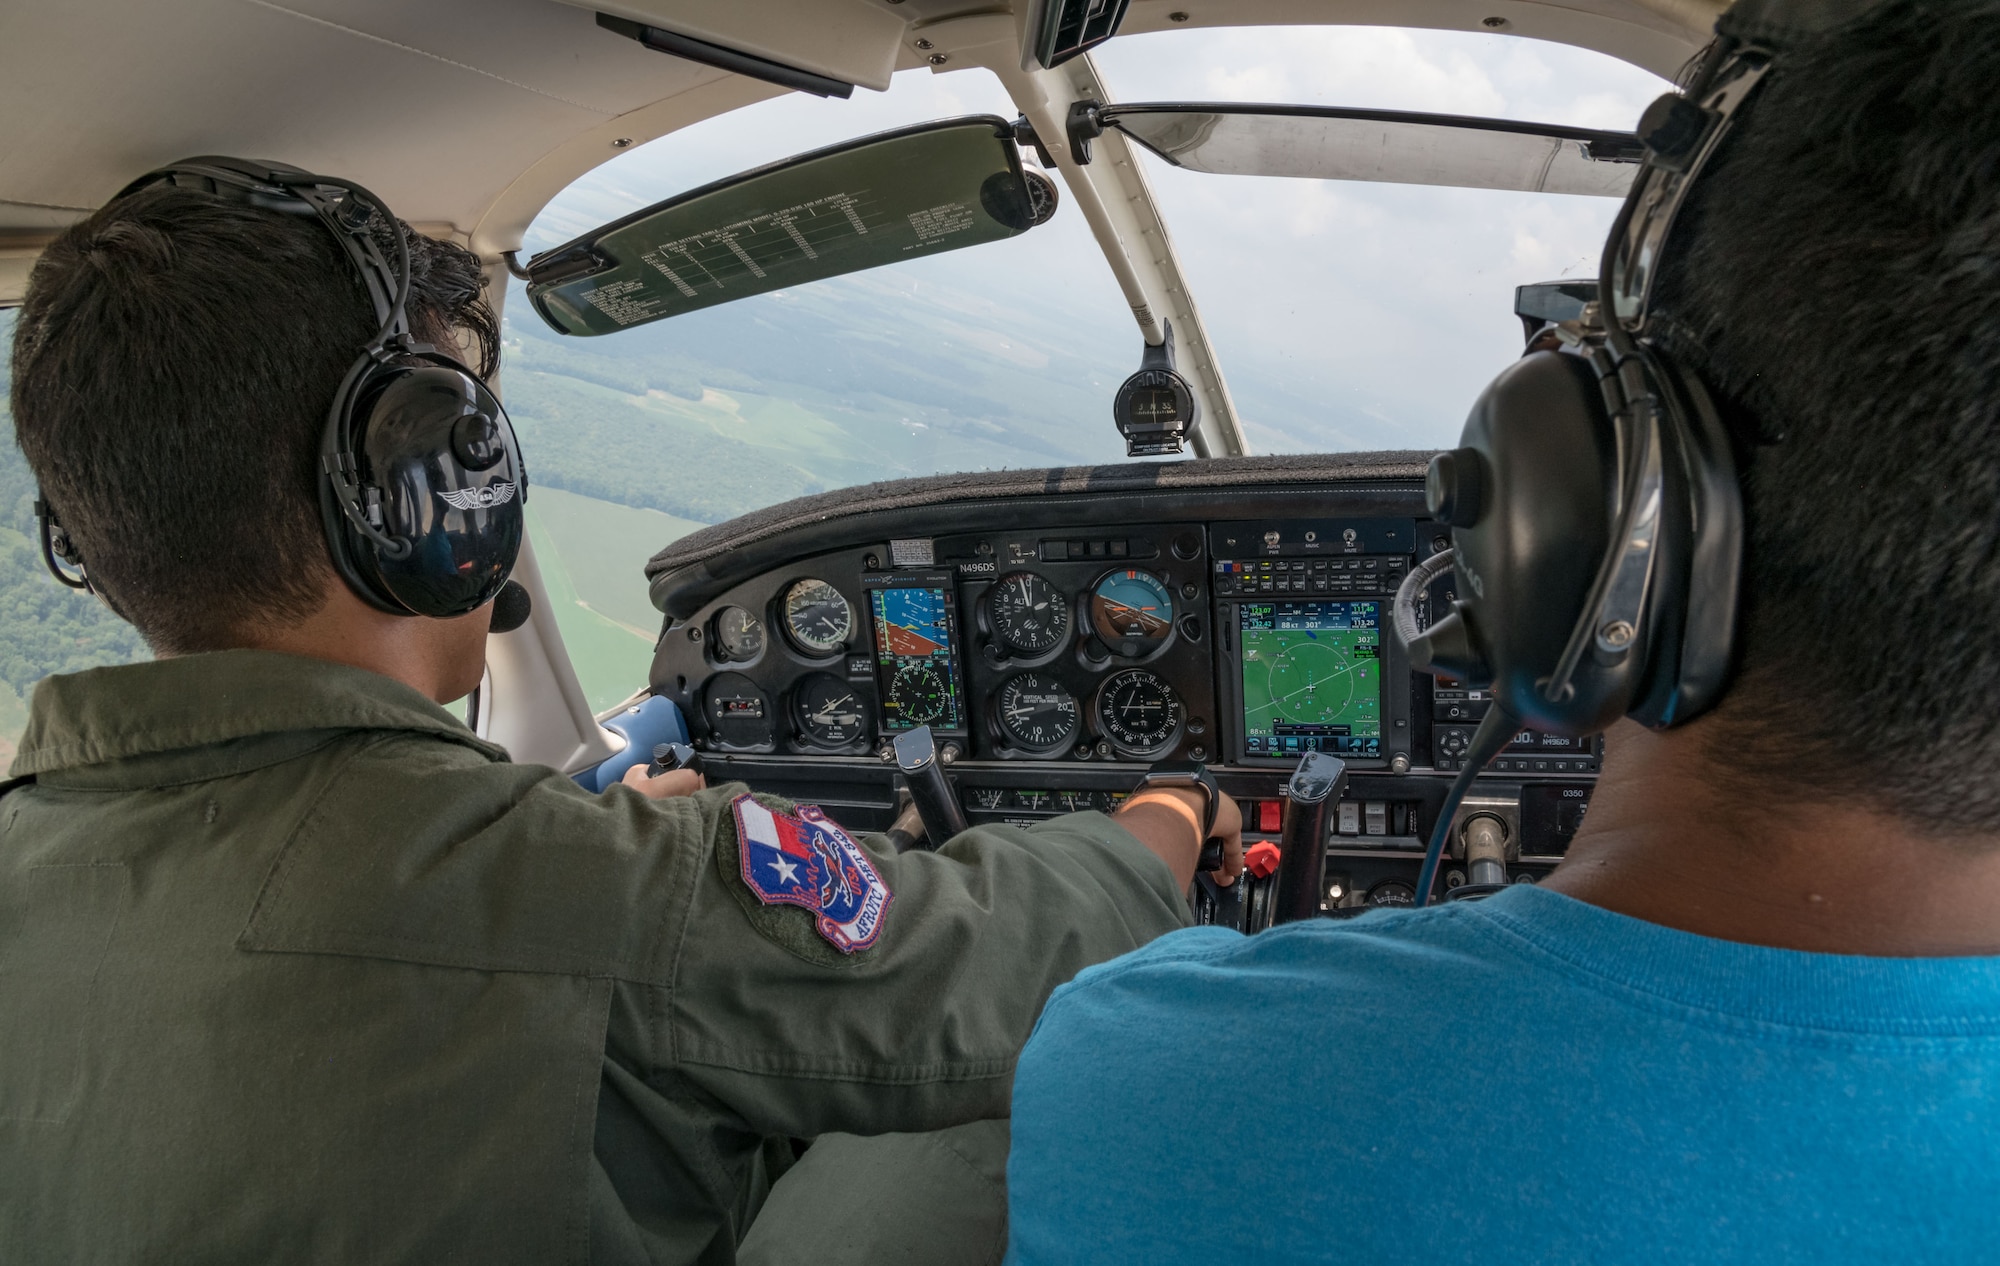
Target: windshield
1005,354
1345,316
1364,316
44,628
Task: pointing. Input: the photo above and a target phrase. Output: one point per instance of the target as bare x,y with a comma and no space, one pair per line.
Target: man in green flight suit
294,966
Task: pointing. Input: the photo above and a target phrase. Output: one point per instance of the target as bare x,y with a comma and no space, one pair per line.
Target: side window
44,628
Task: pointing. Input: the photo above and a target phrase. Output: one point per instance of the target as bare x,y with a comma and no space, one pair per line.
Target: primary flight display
1312,677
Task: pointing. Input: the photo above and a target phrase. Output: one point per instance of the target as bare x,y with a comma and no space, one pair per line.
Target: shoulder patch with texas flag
808,861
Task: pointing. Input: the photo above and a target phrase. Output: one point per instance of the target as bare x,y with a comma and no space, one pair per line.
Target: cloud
1361,312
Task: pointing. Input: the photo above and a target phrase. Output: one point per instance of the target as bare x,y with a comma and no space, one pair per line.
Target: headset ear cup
460,526
1548,456
353,555
1691,675
1662,622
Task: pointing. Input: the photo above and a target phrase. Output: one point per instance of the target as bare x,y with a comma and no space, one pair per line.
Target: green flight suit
295,967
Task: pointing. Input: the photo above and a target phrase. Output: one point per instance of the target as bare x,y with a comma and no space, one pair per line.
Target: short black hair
173,363
1836,276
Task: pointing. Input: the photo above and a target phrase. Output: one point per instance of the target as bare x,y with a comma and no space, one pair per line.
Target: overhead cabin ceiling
468,115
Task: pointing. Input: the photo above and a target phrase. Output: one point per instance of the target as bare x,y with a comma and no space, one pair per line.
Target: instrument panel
1009,646
1056,646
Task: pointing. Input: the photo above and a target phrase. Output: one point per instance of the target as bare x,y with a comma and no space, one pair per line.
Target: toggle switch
1349,821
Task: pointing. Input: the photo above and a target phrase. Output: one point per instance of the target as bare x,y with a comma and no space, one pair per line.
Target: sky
1344,315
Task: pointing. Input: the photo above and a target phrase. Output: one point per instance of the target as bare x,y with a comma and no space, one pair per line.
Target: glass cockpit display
916,660
1312,678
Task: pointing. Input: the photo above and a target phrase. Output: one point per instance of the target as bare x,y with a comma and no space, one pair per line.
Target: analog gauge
738,718
1139,712
1037,711
918,695
817,618
1392,892
738,634
1132,611
1028,613
828,711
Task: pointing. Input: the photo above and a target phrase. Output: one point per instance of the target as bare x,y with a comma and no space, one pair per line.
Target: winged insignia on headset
479,498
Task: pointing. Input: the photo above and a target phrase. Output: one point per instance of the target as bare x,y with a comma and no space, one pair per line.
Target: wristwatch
1186,773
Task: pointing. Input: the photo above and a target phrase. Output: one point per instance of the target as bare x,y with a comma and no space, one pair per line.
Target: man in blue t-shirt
1755,1015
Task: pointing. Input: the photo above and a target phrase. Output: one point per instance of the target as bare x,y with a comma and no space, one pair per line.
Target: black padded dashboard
1059,630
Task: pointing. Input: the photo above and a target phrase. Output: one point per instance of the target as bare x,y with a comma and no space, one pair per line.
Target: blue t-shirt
1524,1079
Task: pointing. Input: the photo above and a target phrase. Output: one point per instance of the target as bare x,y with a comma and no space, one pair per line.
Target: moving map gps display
915,664
1312,678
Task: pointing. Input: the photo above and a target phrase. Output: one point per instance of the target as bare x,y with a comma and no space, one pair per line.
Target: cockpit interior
875,424
993,638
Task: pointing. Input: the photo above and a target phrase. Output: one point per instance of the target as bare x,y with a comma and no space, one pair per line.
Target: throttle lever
672,756
1316,786
937,803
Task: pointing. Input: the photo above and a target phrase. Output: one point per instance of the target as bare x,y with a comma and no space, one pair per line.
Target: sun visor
879,200
853,41
1326,143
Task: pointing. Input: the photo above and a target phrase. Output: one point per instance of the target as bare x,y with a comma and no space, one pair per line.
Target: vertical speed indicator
1037,712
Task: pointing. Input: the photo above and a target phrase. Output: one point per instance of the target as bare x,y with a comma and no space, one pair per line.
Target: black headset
422,483
1595,508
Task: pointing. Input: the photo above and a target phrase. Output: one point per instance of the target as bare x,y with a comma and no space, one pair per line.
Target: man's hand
1167,820
675,782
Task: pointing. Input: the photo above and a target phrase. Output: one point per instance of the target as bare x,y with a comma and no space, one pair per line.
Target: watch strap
1192,774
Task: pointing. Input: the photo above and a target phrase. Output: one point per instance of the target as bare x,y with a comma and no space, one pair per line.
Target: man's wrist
1187,802
1191,776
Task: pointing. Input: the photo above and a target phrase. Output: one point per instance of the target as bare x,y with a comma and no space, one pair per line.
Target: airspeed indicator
817,617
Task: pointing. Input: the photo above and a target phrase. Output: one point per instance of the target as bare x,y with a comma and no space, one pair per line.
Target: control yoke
1316,786
932,793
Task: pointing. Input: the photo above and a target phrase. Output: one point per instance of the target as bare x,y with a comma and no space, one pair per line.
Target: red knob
1261,859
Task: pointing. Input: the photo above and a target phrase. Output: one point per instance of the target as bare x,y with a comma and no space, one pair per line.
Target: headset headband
344,207
1682,131
421,471
349,212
